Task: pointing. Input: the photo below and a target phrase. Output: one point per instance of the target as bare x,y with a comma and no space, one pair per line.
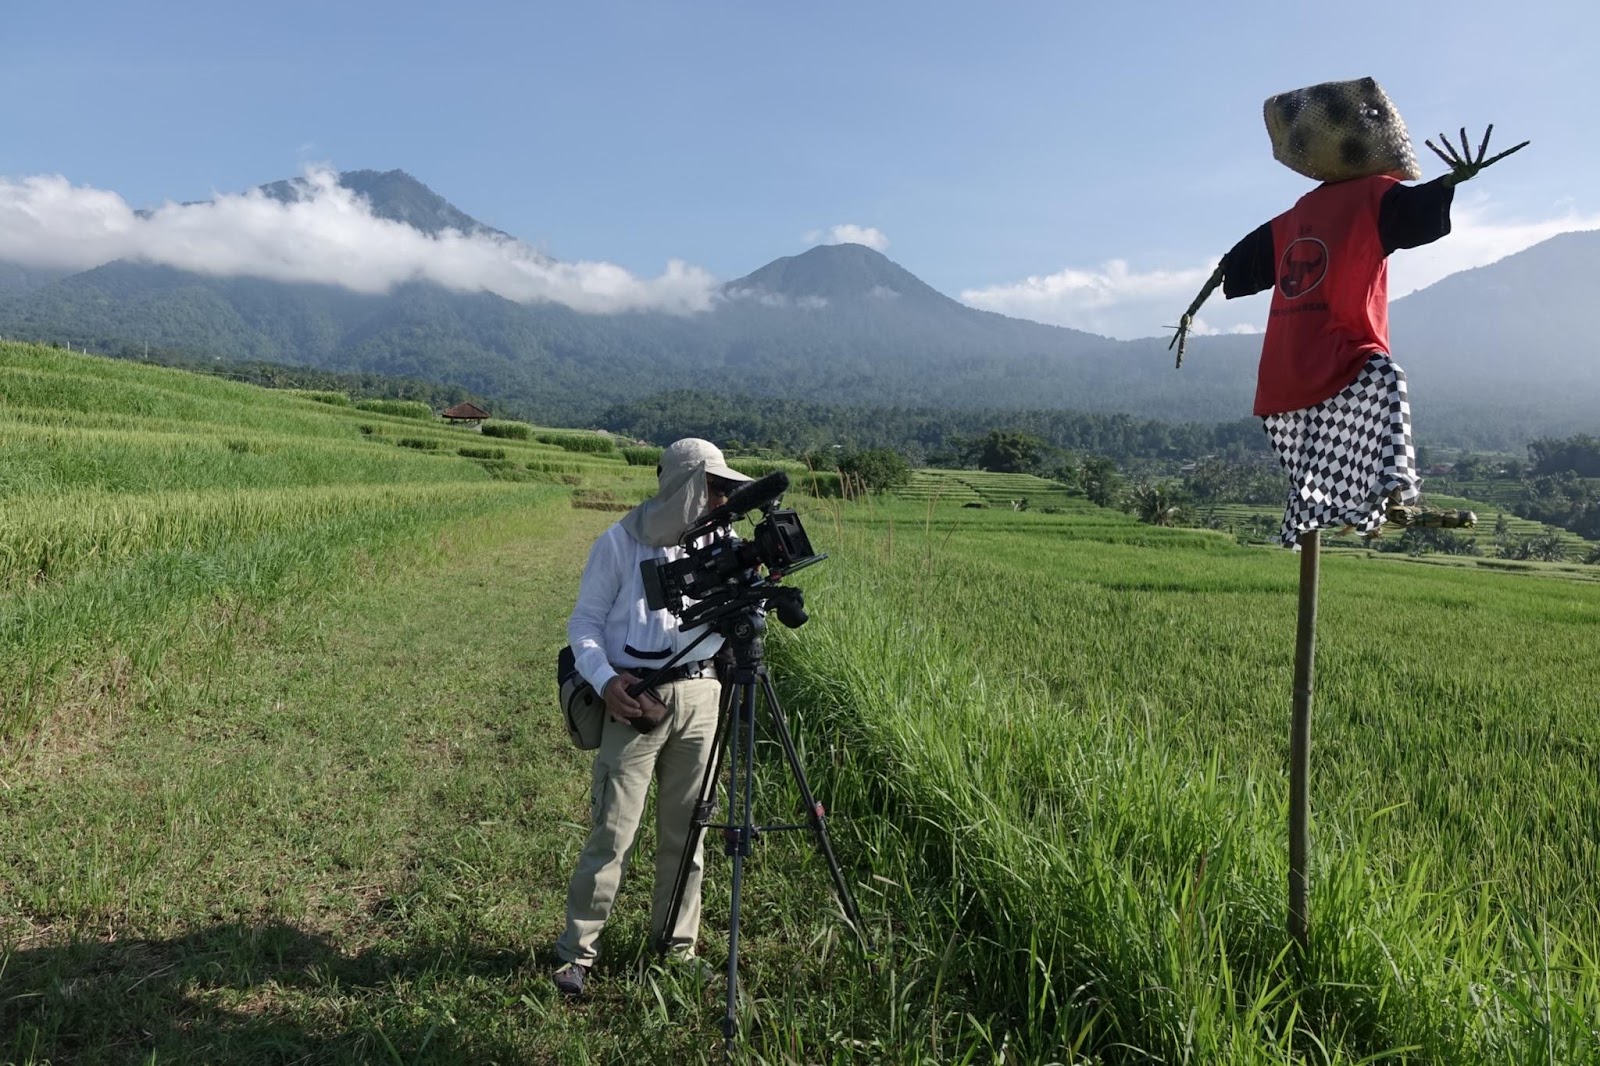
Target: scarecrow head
1340,130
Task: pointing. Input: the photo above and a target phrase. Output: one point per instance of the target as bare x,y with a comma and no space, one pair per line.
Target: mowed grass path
341,830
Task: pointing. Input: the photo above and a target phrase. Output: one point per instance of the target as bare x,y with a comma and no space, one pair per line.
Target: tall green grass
1071,732
397,408
507,430
334,399
583,443
642,455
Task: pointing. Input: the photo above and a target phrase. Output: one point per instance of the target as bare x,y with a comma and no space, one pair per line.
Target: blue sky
1075,163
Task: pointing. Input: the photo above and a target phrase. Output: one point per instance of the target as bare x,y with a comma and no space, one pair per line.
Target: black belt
681,672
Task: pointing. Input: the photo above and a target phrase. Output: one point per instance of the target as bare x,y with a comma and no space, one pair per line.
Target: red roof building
465,412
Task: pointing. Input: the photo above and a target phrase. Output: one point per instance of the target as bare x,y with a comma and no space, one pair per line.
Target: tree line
924,436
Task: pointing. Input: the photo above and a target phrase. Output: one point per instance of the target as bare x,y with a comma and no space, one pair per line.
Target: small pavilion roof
466,411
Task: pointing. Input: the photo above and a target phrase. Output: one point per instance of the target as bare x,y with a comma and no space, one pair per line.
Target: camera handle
735,737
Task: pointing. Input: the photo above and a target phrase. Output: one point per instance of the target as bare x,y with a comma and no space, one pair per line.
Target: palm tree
1157,505
1548,547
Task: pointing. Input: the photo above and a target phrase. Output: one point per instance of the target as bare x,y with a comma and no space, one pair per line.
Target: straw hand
1464,165
1181,337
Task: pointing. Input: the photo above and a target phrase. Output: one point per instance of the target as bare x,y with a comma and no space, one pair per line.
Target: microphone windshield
746,497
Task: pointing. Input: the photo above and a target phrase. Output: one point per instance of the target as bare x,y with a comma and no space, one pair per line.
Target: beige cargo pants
675,753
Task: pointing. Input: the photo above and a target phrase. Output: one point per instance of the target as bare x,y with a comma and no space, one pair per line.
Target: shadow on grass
237,992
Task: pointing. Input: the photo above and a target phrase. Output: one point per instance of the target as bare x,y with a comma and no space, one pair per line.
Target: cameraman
665,732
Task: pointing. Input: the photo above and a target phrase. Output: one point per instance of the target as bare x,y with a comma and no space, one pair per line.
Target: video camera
721,575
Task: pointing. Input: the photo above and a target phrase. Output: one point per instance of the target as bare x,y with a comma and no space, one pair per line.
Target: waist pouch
581,705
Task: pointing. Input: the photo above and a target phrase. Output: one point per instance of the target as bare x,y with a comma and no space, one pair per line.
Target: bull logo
1305,264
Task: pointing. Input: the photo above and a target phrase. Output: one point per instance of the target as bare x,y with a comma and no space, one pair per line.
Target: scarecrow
1333,401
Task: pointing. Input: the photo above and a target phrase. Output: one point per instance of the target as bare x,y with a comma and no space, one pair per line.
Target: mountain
1512,343
396,196
851,273
839,324
15,278
1532,310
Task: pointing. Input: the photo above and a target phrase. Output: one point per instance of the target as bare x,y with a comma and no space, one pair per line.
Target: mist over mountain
842,324
396,196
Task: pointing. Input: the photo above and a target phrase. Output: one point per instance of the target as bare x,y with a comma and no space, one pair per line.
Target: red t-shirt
1325,261
1330,306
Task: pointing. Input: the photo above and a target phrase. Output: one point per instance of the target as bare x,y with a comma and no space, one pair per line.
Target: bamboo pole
1305,653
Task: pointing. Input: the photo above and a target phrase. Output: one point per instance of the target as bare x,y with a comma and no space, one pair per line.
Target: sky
1073,163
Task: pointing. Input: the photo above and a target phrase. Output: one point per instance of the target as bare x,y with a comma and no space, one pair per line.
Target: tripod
734,742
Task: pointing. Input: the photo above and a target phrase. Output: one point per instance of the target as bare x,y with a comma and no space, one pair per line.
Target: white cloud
850,233
775,299
1117,301
1111,299
328,236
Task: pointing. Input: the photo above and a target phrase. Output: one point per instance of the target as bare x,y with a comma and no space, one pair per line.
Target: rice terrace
284,779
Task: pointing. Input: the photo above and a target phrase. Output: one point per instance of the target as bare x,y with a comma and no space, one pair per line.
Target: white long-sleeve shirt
611,625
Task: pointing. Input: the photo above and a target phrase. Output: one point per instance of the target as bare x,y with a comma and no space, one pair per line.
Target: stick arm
1181,337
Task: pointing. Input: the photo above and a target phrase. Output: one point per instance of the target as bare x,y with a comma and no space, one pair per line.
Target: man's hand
625,708
1463,166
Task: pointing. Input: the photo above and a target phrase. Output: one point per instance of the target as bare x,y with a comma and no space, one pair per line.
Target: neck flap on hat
681,498
1340,130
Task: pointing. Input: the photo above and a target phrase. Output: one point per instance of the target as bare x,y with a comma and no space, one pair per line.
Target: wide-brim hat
692,453
1339,130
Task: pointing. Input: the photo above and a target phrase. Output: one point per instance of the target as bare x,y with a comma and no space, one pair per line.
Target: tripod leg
814,812
704,807
739,832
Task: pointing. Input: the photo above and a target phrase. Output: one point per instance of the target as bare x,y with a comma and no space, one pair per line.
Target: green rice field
989,489
282,779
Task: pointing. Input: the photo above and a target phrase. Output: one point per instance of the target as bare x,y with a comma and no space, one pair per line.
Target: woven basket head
1340,130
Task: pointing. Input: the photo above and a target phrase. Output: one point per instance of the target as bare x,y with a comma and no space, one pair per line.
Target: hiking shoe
570,978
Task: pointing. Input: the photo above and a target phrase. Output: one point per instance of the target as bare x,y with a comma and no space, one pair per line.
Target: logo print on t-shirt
1305,264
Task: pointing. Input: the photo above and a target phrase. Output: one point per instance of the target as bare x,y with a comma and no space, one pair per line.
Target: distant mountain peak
836,272
396,196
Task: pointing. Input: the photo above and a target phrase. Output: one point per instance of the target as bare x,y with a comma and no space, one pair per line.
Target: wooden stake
1305,654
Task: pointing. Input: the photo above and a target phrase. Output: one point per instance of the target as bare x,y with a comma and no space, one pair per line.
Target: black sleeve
1410,216
1248,268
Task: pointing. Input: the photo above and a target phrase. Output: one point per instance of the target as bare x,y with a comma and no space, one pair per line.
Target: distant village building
464,412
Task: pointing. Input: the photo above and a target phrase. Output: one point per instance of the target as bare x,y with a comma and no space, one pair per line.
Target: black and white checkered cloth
1348,455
